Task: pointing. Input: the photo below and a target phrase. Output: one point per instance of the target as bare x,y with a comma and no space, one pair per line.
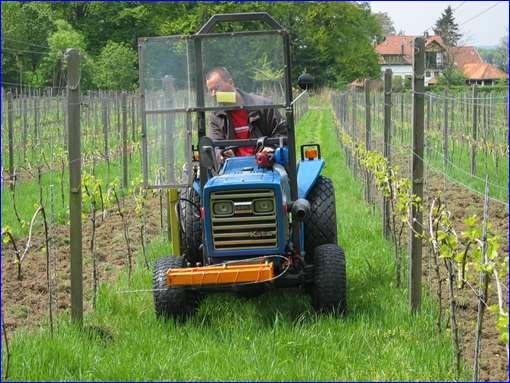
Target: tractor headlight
261,206
223,208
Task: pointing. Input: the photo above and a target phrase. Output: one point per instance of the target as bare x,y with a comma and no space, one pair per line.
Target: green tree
397,83
488,55
447,28
115,67
501,57
451,76
386,23
25,29
53,64
101,21
333,41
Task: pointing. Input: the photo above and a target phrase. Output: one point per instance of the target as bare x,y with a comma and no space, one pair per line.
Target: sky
480,22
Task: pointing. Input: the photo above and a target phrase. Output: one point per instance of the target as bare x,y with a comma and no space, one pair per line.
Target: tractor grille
244,228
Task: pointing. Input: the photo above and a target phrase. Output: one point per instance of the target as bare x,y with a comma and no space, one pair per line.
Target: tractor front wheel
171,302
191,235
329,291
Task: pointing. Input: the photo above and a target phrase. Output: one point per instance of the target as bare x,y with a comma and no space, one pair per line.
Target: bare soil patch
25,302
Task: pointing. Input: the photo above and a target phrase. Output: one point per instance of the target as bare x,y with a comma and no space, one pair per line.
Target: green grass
274,337
27,193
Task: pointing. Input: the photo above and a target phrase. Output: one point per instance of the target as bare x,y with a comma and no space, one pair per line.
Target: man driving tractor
240,123
260,220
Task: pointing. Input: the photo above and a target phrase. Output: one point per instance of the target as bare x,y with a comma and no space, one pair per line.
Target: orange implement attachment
220,275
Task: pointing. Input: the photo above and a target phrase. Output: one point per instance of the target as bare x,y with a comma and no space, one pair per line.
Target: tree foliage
386,23
452,76
447,28
502,53
333,41
116,67
53,64
497,56
25,29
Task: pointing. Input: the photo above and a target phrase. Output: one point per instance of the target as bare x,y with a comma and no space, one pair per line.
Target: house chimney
426,34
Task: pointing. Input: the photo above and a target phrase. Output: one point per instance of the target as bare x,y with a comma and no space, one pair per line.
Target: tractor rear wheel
171,302
191,235
329,290
320,224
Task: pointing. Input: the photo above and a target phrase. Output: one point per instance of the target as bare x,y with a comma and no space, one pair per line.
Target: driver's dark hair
222,71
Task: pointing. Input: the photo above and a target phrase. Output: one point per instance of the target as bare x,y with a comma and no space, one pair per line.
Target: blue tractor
252,222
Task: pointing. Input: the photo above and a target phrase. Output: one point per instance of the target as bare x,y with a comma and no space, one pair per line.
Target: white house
396,53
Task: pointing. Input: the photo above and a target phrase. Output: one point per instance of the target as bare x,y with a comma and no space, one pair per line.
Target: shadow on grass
368,289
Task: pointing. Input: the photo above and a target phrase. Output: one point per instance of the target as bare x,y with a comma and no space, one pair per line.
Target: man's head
219,79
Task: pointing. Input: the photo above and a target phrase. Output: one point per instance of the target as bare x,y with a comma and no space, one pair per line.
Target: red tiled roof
438,39
392,45
482,71
465,55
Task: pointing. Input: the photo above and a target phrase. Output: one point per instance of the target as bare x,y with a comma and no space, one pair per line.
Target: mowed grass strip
276,336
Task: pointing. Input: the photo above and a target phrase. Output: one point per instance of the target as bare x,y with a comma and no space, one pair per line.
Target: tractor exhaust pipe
300,208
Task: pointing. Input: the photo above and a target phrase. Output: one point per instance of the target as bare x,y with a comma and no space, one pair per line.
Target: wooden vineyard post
10,127
445,145
124,141
75,202
415,245
353,131
368,138
474,133
386,145
104,120
172,194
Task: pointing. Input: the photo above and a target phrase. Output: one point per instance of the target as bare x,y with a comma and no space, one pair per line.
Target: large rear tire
320,224
191,235
329,291
171,302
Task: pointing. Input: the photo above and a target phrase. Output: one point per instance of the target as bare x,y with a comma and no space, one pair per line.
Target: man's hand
226,154
265,157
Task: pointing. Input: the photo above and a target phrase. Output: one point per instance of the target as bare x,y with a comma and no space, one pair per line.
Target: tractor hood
246,233
241,171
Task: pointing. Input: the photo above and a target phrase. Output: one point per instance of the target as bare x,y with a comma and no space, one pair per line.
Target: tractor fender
307,173
196,187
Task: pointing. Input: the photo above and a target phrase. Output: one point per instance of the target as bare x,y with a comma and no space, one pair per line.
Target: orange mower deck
220,275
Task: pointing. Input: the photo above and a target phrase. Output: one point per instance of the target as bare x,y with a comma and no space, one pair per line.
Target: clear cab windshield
181,75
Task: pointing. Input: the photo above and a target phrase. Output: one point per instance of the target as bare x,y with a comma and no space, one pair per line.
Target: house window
427,73
439,60
430,60
393,59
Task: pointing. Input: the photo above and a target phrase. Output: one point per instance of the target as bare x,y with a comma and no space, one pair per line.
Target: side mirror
206,151
305,81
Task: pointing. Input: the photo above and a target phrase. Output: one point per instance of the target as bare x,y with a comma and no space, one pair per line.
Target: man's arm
273,125
217,132
277,123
